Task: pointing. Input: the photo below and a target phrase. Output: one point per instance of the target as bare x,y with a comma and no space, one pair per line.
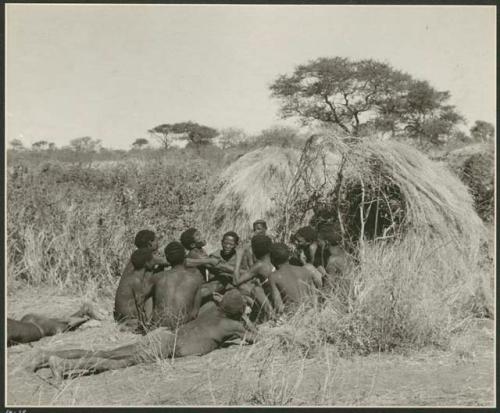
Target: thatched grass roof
260,184
251,188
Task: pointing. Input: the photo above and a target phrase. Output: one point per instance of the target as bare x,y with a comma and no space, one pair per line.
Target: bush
67,224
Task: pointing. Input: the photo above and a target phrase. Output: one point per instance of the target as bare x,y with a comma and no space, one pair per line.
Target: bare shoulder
275,275
233,325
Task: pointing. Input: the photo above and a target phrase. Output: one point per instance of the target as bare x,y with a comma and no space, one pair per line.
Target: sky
113,72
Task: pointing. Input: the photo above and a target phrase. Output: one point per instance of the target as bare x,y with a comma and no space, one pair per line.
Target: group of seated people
190,302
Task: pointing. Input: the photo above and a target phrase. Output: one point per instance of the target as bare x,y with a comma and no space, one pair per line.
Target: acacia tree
195,133
85,144
40,145
364,95
16,144
482,131
139,143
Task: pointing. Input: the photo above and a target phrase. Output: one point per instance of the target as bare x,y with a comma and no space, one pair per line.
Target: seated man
133,290
337,262
143,239
290,285
193,242
254,283
223,273
147,239
33,327
246,258
176,292
306,242
200,336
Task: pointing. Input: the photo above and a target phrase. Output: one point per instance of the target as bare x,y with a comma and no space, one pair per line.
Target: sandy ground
462,376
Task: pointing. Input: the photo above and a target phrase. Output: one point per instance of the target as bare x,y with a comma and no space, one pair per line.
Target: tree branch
335,116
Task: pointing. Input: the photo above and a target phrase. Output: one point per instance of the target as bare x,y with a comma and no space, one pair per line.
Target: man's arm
239,331
240,253
148,284
316,275
195,262
275,292
196,304
313,248
251,273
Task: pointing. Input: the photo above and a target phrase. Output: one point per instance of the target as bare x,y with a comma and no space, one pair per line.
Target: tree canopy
365,95
195,133
40,145
482,131
85,144
16,144
139,143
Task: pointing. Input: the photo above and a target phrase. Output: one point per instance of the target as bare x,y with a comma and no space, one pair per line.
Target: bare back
176,297
130,294
207,333
293,283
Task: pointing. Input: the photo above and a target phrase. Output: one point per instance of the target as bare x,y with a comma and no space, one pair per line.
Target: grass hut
410,221
474,165
382,188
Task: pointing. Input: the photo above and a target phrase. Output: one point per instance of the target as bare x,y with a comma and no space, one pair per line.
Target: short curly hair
280,253
261,245
175,253
140,257
143,238
187,238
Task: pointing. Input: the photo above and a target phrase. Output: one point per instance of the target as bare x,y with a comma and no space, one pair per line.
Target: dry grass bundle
474,165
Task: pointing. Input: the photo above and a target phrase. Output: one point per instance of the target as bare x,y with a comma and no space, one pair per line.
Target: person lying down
33,327
222,322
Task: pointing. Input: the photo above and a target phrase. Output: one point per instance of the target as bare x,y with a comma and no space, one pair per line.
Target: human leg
95,365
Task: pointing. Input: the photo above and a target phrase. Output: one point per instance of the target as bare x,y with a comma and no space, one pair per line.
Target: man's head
230,241
233,304
261,245
175,253
280,254
142,258
191,238
146,239
304,237
259,227
328,234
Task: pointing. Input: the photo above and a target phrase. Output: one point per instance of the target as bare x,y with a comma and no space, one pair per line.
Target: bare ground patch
237,375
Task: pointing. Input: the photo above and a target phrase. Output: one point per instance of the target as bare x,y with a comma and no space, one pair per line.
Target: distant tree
196,134
482,131
364,95
16,144
162,133
461,137
52,146
139,143
40,145
426,116
230,137
85,144
283,136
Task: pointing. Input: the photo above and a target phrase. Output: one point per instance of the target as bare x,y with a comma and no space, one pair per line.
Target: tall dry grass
71,225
